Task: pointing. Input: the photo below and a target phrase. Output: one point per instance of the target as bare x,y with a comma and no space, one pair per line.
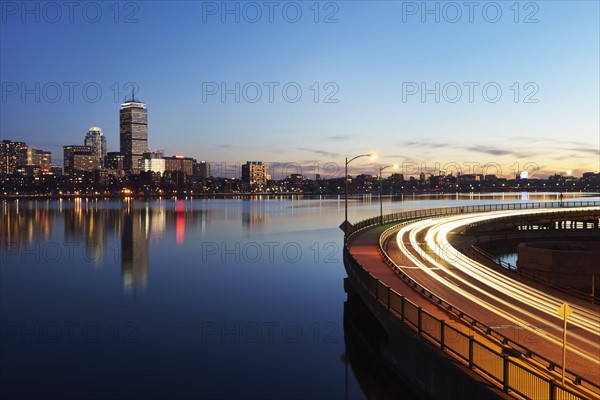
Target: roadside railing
510,374
513,376
434,212
524,220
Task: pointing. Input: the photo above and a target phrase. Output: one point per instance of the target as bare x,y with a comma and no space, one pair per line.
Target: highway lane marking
583,317
540,333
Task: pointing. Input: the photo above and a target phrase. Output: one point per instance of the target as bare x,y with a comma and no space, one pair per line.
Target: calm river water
183,298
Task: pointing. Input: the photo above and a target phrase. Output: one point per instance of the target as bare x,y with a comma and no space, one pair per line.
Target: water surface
181,298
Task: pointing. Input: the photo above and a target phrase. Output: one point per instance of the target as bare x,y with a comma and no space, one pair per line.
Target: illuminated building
179,164
114,160
78,159
9,156
96,140
254,173
133,133
153,162
29,156
202,169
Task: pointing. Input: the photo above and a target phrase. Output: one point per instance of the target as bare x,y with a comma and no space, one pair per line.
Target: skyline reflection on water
180,298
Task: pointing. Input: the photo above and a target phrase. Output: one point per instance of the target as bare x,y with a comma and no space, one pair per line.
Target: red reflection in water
180,221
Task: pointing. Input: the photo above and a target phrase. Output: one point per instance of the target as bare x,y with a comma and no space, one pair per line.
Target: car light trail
458,278
437,239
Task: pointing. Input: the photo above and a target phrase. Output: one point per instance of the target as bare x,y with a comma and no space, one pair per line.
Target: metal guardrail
511,375
523,219
433,212
514,377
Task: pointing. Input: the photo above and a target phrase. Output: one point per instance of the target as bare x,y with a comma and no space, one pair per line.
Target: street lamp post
372,156
395,166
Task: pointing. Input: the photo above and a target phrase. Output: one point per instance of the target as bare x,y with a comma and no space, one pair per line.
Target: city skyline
133,116
317,199
391,87
154,161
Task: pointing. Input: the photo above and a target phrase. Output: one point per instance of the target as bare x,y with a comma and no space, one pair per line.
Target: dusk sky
367,61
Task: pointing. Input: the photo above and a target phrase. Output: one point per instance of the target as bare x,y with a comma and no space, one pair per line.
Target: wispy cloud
338,137
563,157
489,150
587,150
320,152
547,140
498,152
425,143
399,157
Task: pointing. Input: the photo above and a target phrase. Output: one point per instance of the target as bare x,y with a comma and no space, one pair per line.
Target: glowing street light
394,166
372,156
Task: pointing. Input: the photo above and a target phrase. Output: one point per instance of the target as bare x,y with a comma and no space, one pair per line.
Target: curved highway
522,313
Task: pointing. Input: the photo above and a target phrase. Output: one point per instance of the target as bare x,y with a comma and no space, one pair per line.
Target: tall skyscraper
97,141
133,133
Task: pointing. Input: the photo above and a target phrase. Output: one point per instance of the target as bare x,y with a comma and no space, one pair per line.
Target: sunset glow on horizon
515,87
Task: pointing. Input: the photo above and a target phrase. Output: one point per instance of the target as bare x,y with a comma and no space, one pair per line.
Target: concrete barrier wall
568,263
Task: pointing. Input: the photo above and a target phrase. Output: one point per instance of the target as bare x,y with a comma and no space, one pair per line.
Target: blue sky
368,61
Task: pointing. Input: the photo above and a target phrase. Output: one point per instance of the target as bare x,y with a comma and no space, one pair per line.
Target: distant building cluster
88,169
18,157
92,163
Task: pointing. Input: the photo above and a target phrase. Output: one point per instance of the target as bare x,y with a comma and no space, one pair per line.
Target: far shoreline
309,195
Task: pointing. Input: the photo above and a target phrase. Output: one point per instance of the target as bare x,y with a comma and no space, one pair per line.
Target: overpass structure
503,335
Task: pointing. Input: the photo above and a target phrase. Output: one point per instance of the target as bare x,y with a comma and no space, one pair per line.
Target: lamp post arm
354,158
346,191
